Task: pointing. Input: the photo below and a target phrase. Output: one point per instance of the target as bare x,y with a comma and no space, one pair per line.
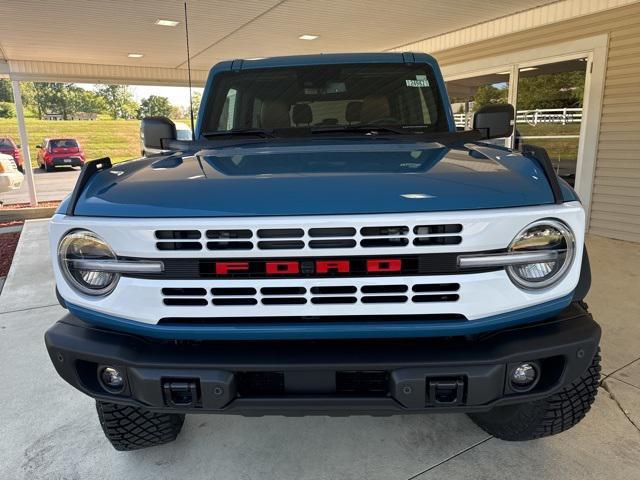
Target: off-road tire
132,428
541,418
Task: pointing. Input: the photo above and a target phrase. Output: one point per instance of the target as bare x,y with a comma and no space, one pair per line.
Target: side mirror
495,120
155,132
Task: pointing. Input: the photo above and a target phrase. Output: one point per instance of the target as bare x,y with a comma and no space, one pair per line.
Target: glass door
549,104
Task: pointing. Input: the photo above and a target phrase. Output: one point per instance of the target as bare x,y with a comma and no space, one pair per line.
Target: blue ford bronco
327,244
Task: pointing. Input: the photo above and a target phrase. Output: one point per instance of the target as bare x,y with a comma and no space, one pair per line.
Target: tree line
67,99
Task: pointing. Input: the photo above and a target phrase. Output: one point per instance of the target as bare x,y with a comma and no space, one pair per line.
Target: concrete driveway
49,186
51,431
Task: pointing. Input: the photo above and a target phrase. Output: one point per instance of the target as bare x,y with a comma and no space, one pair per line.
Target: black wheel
554,414
132,428
41,166
49,168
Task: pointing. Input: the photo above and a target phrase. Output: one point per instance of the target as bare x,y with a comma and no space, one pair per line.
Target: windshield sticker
419,82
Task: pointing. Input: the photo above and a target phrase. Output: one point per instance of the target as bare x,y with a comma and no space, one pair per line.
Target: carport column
24,143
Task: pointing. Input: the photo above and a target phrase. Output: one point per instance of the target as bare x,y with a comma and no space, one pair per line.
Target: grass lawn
118,139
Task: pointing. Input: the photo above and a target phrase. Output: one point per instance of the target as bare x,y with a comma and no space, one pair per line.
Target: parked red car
60,152
9,147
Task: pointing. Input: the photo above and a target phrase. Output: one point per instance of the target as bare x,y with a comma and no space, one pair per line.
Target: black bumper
61,162
326,377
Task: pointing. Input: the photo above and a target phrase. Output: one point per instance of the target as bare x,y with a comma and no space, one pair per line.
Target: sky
176,95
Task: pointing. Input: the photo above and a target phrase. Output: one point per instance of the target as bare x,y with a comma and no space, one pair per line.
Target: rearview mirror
496,121
155,132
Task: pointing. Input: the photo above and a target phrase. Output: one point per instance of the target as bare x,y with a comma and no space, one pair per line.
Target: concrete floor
50,186
51,431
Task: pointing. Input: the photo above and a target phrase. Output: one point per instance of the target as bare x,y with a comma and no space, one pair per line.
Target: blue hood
314,177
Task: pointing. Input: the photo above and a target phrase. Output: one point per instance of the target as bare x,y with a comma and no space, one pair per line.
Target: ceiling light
256,58
308,37
166,23
528,69
135,55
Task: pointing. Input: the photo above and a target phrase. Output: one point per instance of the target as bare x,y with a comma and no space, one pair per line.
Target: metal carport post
24,142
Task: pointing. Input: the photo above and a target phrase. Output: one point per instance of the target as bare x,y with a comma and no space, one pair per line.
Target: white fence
560,116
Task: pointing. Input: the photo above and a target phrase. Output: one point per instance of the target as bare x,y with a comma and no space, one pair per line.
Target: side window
227,116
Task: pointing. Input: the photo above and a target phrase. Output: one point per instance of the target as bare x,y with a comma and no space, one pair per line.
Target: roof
88,41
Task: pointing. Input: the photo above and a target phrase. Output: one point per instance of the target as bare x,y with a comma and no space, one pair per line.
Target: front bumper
325,377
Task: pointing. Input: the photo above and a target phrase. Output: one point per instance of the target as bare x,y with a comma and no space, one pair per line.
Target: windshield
325,96
6,143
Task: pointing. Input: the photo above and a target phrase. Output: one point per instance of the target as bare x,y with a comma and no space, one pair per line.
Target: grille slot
337,290
283,291
437,229
384,231
280,233
260,384
384,299
229,245
177,234
233,291
224,302
179,246
436,287
384,242
330,300
384,289
281,245
332,232
284,301
185,302
184,292
435,298
426,241
228,234
336,243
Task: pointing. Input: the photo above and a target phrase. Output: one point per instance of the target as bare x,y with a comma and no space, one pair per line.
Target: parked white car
10,176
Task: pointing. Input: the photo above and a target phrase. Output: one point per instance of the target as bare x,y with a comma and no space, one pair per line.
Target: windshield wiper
240,131
368,128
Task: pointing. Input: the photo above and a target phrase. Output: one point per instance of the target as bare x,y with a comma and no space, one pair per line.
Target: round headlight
543,235
85,245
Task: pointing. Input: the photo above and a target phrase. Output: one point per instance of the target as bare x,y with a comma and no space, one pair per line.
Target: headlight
543,235
82,245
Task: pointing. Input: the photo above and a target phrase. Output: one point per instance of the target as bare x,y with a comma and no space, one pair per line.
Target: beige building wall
615,208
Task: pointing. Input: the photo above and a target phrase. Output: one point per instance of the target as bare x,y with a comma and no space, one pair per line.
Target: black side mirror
496,121
155,132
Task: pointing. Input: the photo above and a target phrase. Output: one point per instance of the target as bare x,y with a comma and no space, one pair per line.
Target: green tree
6,94
155,106
553,90
118,100
7,110
196,100
489,94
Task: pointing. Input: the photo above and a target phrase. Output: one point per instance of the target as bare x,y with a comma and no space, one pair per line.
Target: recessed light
308,37
135,55
166,23
255,58
528,69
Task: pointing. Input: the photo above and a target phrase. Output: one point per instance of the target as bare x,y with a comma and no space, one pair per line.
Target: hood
317,177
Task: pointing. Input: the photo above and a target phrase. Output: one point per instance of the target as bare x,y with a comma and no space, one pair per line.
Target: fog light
112,378
524,375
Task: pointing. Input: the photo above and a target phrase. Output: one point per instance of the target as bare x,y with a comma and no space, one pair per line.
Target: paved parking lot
49,186
51,431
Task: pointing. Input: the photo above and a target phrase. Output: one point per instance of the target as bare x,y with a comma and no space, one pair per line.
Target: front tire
549,416
49,168
131,428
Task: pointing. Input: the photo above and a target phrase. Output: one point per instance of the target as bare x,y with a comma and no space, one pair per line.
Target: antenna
186,31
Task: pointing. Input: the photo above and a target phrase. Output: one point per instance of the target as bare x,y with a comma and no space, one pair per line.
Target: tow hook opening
445,391
181,393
